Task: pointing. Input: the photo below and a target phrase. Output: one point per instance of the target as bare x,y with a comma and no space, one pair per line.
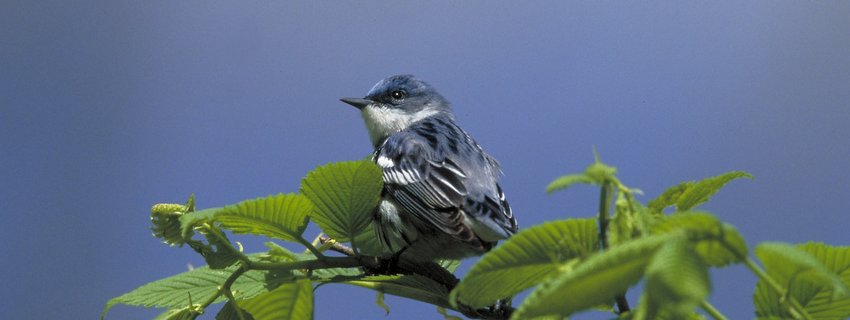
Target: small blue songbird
441,197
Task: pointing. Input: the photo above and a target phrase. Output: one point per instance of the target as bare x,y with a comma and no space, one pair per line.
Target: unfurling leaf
344,195
630,220
596,173
217,251
165,218
567,181
524,259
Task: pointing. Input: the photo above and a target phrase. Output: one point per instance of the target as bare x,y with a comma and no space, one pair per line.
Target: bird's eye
398,94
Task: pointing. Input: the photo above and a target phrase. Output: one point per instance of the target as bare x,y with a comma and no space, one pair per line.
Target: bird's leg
501,306
390,265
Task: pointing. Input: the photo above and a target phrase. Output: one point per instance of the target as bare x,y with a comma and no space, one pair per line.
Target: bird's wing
438,189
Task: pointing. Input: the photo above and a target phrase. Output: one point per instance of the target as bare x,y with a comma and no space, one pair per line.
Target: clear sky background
107,107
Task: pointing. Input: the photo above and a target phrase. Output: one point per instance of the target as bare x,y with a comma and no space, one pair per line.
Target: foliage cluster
569,265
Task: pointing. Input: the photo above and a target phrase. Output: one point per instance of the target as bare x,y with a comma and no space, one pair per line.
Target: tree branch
431,270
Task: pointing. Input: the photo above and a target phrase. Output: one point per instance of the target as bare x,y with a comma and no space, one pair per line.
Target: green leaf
567,181
629,221
289,301
369,244
185,313
525,259
669,197
218,252
676,282
229,312
279,216
687,195
190,220
826,304
815,275
784,263
599,172
596,173
449,265
713,238
278,253
593,282
701,191
344,195
201,283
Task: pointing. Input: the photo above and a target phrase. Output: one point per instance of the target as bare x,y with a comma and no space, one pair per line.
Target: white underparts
393,226
382,122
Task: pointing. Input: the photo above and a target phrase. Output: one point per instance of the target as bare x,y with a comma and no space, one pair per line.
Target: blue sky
107,107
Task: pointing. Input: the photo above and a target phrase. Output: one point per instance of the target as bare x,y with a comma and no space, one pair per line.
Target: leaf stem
796,309
605,199
712,311
310,247
604,209
224,287
229,294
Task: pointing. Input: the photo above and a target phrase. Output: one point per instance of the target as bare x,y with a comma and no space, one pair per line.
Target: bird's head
395,103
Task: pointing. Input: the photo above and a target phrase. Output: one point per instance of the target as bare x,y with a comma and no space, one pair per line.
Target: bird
441,197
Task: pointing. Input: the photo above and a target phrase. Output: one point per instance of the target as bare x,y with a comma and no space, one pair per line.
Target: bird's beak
357,102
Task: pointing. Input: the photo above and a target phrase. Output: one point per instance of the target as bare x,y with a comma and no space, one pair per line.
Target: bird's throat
381,122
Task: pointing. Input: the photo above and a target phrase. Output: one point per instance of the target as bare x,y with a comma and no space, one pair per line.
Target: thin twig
337,247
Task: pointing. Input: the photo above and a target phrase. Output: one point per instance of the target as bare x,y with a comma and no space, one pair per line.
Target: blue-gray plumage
441,196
